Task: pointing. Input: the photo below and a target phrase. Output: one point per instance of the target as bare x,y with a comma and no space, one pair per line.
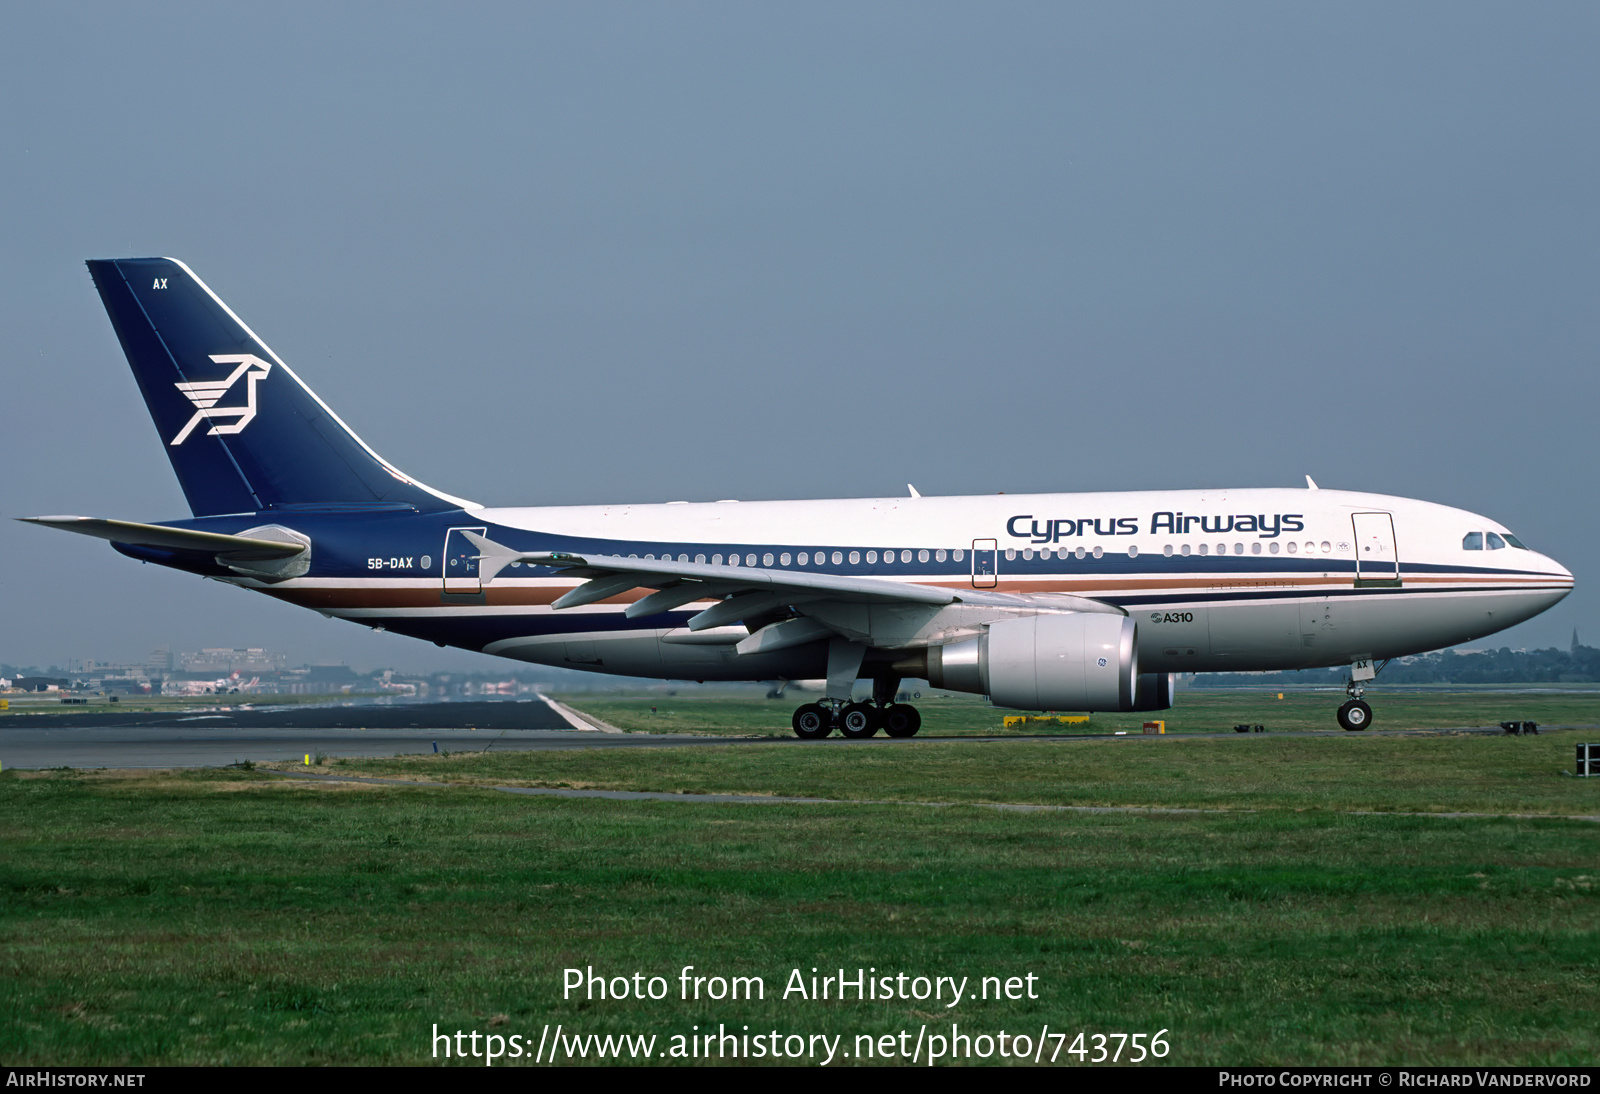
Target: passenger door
1377,561
985,564
461,563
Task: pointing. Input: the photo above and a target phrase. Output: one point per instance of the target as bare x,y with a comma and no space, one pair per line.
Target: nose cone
1549,584
1560,569
1557,573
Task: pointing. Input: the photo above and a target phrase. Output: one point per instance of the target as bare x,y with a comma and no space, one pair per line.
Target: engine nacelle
1067,661
1155,691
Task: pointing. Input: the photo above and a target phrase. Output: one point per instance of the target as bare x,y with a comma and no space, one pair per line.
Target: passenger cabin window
1473,541
1496,543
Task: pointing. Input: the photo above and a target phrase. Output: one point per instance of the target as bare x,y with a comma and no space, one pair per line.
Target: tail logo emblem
204,394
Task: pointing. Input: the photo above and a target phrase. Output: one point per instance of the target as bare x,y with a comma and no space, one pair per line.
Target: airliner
1068,602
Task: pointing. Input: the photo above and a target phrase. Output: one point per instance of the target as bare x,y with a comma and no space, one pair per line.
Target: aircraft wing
232,548
745,592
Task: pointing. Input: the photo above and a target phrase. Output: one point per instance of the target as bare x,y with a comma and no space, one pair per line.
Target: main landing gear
816,720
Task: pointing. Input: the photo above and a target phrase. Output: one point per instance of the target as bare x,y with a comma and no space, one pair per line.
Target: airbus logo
205,394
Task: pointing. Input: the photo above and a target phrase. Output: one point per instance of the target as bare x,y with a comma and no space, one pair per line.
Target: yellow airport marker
308,759
1012,721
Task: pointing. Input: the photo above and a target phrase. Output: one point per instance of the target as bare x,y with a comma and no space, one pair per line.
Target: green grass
1198,710
235,917
1473,773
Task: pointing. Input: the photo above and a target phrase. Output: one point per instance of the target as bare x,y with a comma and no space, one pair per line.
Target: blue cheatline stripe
344,543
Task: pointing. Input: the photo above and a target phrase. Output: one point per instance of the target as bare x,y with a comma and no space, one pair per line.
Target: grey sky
574,253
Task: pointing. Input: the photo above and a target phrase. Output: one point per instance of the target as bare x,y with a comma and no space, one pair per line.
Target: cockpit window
1515,542
1473,541
1495,542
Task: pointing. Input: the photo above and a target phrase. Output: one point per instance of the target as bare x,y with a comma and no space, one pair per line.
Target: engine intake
1058,661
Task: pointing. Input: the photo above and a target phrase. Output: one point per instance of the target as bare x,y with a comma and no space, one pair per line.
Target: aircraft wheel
1355,715
813,722
859,720
901,720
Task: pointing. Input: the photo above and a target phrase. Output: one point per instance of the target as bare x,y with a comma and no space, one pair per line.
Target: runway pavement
221,736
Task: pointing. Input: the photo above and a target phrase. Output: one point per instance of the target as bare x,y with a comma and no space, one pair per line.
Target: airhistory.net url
908,1046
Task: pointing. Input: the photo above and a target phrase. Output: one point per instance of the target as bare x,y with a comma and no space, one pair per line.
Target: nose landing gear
1356,715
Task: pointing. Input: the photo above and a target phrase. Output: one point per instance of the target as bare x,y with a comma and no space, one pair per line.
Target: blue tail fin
242,432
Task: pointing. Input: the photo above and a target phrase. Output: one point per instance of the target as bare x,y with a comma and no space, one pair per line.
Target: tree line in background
1577,665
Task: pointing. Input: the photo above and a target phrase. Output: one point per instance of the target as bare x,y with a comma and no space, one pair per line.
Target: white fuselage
1216,580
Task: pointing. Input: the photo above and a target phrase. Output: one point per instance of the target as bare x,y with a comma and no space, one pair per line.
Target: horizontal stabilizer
234,548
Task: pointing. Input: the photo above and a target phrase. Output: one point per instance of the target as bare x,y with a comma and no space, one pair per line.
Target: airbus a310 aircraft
1086,602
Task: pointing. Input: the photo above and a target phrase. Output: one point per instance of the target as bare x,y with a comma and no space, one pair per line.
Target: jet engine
1155,691
1058,661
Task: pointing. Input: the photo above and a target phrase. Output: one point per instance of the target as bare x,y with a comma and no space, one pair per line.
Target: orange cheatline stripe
358,595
